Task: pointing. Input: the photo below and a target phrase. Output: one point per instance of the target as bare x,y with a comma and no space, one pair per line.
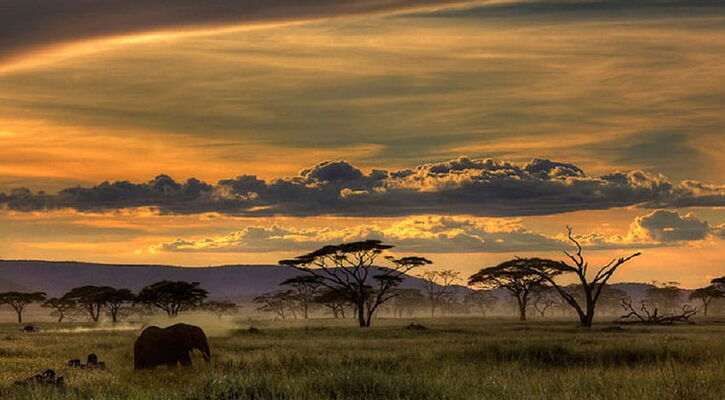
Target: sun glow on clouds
605,92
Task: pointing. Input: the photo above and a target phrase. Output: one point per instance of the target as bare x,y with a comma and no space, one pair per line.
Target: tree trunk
361,315
522,310
20,317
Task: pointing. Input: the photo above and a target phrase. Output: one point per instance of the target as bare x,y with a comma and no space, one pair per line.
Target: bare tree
18,301
645,316
437,286
592,287
350,269
510,276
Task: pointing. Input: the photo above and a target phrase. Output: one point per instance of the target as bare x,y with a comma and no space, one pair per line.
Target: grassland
451,359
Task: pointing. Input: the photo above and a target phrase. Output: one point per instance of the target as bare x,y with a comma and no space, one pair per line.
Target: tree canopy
172,297
18,301
350,268
513,277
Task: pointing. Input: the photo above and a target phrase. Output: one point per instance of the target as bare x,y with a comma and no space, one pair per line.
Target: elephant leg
185,358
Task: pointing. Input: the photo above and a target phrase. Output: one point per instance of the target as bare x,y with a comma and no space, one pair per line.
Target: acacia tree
89,298
484,300
19,300
172,297
114,299
60,306
333,300
406,301
706,295
512,277
664,295
219,308
350,269
438,285
277,302
305,288
591,288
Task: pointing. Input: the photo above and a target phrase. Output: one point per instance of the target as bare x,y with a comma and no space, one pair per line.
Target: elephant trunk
205,352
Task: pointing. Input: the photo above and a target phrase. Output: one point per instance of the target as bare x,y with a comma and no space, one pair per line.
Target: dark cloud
670,226
480,187
25,24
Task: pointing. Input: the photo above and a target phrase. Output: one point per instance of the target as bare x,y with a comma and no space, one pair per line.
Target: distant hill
228,281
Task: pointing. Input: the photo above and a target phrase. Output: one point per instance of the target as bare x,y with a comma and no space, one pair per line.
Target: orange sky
603,89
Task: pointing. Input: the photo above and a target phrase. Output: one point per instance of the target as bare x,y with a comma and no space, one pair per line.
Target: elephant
169,346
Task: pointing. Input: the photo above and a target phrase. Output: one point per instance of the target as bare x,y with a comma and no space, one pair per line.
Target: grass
451,359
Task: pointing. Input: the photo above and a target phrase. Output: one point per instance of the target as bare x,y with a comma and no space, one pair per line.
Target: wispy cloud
25,25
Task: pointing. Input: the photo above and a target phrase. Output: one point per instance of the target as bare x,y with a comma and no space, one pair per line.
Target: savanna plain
442,358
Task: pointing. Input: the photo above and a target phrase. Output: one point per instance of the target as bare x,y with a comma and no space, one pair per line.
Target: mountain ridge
223,281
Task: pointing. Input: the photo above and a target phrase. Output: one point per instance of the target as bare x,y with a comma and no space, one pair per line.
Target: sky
245,132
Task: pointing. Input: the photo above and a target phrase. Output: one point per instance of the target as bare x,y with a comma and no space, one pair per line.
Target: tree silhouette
333,300
512,277
172,297
18,301
544,298
406,301
350,269
305,288
114,299
484,300
89,298
60,306
219,308
277,302
592,288
437,286
664,295
706,295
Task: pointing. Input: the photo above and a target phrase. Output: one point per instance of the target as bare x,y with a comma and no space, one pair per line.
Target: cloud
430,234
25,25
478,187
670,226
563,9
452,234
657,228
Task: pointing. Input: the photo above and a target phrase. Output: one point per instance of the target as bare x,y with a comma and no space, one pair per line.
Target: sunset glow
467,132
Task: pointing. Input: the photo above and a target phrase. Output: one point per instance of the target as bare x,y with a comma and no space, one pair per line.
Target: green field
462,358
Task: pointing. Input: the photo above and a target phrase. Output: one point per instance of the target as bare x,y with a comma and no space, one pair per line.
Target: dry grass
452,359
